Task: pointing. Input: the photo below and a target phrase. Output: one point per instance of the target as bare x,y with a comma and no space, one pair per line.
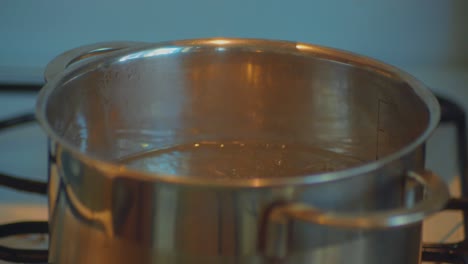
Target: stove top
23,170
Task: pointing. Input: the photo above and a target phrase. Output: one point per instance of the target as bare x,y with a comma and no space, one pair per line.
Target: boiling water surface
235,160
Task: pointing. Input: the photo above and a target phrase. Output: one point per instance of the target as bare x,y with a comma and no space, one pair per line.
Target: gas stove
23,175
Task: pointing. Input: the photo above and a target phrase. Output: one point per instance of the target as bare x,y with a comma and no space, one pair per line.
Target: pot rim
117,170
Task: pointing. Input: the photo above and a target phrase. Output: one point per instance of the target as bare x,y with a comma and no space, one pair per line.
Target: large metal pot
235,151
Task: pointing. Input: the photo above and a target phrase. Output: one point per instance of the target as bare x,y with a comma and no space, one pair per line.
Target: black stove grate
442,253
451,113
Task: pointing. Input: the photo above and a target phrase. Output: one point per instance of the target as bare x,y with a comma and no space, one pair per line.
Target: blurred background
418,35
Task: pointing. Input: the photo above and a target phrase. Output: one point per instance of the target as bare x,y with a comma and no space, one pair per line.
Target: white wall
401,32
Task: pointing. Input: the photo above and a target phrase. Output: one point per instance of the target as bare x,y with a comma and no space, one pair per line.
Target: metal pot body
355,129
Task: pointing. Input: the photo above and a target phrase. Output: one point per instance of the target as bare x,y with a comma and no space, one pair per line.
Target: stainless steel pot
235,151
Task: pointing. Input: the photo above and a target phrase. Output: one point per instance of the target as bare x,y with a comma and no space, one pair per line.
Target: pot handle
61,62
274,230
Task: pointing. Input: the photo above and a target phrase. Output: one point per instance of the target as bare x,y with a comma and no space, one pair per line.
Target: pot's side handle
61,62
274,229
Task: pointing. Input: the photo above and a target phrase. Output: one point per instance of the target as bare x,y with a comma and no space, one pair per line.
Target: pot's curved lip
117,170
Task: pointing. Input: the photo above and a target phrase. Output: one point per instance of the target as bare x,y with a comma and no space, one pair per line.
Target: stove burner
23,255
443,253
450,252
